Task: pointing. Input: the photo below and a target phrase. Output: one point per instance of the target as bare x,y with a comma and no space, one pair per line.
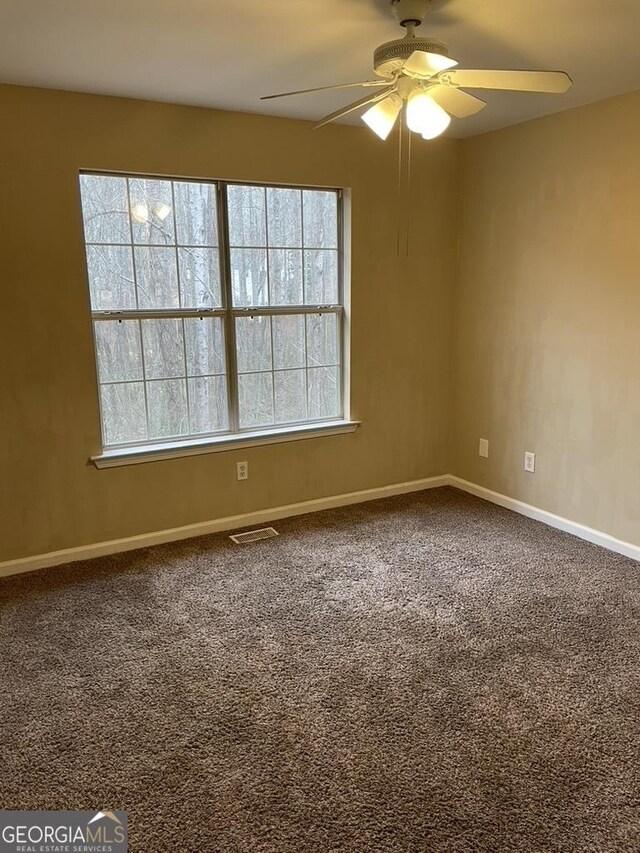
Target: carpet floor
421,674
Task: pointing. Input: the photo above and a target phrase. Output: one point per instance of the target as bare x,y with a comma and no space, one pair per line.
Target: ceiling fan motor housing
389,57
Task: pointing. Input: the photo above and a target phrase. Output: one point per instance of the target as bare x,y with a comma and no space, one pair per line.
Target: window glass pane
196,213
323,392
284,217
151,209
288,341
204,345
285,276
290,396
199,278
321,277
167,403
123,413
253,343
320,216
322,339
249,277
247,221
163,348
255,393
157,278
118,349
110,272
208,404
104,209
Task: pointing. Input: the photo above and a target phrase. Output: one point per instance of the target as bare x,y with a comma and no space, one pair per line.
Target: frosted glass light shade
382,116
426,117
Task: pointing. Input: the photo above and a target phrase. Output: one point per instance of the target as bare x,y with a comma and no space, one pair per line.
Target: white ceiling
227,54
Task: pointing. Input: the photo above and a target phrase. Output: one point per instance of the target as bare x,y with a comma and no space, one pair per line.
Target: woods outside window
217,307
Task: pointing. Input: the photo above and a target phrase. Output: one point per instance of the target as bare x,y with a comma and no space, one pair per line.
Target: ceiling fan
419,76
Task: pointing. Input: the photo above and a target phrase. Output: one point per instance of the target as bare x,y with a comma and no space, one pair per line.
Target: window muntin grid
217,307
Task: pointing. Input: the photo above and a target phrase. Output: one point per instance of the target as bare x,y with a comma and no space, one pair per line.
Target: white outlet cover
530,462
483,448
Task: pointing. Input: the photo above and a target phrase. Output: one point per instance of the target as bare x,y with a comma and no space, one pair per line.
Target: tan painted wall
50,497
547,326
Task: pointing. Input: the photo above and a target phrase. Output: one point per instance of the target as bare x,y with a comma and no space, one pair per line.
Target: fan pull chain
408,217
404,186
399,212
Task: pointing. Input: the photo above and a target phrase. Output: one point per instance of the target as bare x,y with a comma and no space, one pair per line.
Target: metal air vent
254,535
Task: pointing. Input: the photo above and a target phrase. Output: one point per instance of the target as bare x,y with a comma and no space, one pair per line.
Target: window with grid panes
217,307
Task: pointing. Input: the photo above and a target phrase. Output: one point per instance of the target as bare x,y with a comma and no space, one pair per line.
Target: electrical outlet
483,448
530,462
242,470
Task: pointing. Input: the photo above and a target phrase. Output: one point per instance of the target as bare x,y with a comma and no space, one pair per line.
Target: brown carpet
423,673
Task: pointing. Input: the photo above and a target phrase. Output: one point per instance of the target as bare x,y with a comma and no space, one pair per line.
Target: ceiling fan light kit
418,77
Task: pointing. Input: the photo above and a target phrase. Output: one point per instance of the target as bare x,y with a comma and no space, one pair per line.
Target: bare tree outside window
216,307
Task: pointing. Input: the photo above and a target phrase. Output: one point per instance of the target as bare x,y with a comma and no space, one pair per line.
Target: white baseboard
573,527
231,522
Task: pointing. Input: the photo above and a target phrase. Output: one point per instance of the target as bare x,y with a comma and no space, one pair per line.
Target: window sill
174,450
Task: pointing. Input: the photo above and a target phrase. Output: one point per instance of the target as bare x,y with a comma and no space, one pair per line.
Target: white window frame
236,436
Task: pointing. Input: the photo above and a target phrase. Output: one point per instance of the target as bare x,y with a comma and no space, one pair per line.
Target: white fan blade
369,99
324,88
460,104
422,64
554,82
